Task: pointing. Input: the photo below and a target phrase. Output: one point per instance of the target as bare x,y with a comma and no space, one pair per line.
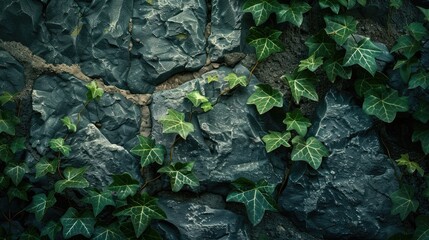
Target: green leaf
265,98
339,27
293,12
142,209
407,46
265,41
58,145
5,97
6,154
19,191
94,92
395,4
417,30
273,140
111,232
16,172
40,204
321,45
403,202
422,112
362,53
366,82
421,133
302,84
8,121
296,121
67,121
73,178
425,12
212,78
180,174
51,229
77,224
311,151
124,185
4,182
234,80
420,79
332,4
99,200
311,63
18,144
384,104
260,9
422,228
409,165
405,67
196,98
149,151
206,106
256,197
44,167
174,122
350,3
334,67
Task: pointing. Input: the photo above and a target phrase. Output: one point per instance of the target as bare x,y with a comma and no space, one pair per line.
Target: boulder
12,77
348,196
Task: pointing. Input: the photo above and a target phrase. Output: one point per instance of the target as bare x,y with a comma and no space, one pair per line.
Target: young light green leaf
395,4
67,121
44,167
260,9
99,200
420,79
180,174
292,12
425,12
73,178
234,80
212,78
332,4
51,229
196,98
362,53
77,224
321,45
384,104
403,202
422,112
174,122
311,151
8,121
411,166
58,145
311,63
142,209
340,27
296,121
265,98
421,133
274,140
302,84
417,30
206,106
422,229
111,232
94,92
407,46
5,97
149,151
40,204
16,172
265,41
18,144
124,185
256,197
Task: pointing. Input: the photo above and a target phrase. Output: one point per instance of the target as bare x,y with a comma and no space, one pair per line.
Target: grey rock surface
12,77
226,143
348,196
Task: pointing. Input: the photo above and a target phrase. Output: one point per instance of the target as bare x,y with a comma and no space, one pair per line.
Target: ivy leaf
16,172
51,229
395,4
19,191
111,232
362,53
334,67
180,174
409,165
234,80
206,106
94,92
311,151
18,144
302,84
4,182
265,98
296,121
425,12
99,200
212,78
196,98
5,97
422,229
149,151
260,9
8,121
73,178
422,112
292,12
311,63
67,121
420,79
339,27
40,204
256,197
320,45
384,104
407,46
58,145
77,224
6,154
273,140
124,185
174,122
421,133
366,82
142,209
405,67
403,202
44,166
265,41
417,30
332,4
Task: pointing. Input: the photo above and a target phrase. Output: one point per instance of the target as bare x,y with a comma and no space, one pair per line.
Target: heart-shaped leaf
293,12
273,140
340,27
149,151
16,172
421,133
320,45
302,84
384,104
77,224
73,178
407,46
411,166
420,79
51,229
67,121
58,145
260,9
311,63
234,80
180,174
311,151
124,185
99,200
94,92
296,121
265,41
362,53
265,98
403,202
111,232
196,98
40,204
174,122
44,166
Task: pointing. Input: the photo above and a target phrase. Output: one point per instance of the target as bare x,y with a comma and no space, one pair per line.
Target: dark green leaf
296,121
339,27
17,144
94,92
67,121
51,229
174,122
422,229
421,133
99,200
40,204
420,79
58,145
403,202
4,182
149,151
293,12
395,4
77,224
362,53
8,121
332,4
417,30
425,12
410,165
302,84
321,45
5,97
366,82
111,232
407,46
234,80
124,185
16,172
384,104
265,98
180,174
44,166
311,63
265,41
6,154
422,112
334,67
311,151
273,140
19,192
260,9
73,178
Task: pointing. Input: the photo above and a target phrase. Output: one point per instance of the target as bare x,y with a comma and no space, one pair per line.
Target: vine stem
147,182
253,69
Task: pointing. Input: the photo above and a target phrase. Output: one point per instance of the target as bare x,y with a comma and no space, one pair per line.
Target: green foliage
5,97
265,98
16,172
212,78
180,174
403,202
334,68
174,122
407,46
320,45
311,63
73,178
339,27
256,197
419,79
94,92
124,185
51,229
362,53
58,145
149,151
111,232
422,229
425,12
44,166
293,12
19,191
261,9
196,98
234,80
302,84
421,133
207,106
384,104
409,165
417,30
422,112
67,121
99,200
274,140
296,121
18,144
311,151
8,122
265,41
395,3
40,204
334,5
75,223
